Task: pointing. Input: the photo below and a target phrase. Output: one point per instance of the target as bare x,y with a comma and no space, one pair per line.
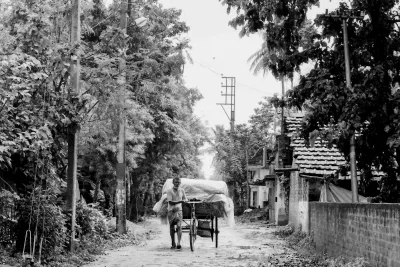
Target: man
175,197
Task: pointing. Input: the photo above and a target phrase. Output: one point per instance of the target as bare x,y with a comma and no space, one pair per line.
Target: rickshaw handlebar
194,201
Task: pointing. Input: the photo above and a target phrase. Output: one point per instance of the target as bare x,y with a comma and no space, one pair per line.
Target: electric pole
247,175
120,194
73,129
230,99
353,164
281,139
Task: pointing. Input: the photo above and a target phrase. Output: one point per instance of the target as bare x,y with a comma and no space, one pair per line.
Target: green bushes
90,221
49,222
7,217
45,220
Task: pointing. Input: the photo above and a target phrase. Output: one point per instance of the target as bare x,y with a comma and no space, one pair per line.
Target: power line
213,71
219,74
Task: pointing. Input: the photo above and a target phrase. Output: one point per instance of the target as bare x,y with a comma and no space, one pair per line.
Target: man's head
176,181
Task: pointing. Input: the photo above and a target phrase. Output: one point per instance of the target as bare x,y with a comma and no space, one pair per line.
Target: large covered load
214,194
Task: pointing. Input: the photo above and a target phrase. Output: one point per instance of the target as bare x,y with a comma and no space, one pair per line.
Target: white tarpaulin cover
205,190
333,193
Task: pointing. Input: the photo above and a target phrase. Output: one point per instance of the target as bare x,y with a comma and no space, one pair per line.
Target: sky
218,50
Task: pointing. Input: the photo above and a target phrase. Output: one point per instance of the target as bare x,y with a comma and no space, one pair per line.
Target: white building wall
298,202
281,216
262,196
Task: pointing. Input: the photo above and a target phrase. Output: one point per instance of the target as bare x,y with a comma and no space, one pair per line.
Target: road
242,245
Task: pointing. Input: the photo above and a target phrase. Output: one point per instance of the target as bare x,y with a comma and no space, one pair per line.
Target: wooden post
73,131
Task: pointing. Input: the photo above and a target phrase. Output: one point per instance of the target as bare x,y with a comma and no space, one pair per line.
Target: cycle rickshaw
208,201
200,222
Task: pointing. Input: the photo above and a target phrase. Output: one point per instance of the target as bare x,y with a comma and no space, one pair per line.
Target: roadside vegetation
38,109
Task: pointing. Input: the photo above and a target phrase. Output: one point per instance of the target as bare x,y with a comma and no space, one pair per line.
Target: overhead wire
202,65
239,83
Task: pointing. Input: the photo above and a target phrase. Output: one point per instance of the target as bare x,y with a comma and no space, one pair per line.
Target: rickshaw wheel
212,228
192,233
216,232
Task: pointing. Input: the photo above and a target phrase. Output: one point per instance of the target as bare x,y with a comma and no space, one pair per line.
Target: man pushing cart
194,206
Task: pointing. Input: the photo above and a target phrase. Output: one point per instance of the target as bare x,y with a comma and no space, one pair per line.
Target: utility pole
283,108
247,175
230,99
74,129
120,193
353,164
282,123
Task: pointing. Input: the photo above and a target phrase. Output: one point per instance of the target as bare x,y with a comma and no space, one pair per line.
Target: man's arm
184,198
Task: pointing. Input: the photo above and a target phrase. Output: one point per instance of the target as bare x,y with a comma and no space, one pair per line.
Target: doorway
255,202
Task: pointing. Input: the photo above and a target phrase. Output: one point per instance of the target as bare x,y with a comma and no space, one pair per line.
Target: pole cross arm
351,14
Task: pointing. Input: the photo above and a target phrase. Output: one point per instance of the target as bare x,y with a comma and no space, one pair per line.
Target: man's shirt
175,195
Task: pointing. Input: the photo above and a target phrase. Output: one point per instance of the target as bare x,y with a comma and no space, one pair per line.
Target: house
312,164
264,186
292,176
265,177
257,170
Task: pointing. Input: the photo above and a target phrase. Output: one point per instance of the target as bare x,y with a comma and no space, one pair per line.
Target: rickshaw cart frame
191,219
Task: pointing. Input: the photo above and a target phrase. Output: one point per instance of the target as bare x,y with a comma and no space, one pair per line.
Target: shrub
45,220
7,217
90,221
284,231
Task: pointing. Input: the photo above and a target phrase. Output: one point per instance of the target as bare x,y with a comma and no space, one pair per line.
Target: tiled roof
318,160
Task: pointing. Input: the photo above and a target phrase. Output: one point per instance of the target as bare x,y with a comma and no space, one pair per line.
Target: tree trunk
97,189
128,194
136,204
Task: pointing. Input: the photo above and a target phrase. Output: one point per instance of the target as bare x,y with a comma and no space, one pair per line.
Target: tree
234,151
370,109
163,135
37,109
283,24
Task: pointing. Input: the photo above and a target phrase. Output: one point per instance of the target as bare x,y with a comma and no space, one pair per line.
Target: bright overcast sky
217,49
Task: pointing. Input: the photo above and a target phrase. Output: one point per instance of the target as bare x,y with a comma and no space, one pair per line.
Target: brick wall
352,230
